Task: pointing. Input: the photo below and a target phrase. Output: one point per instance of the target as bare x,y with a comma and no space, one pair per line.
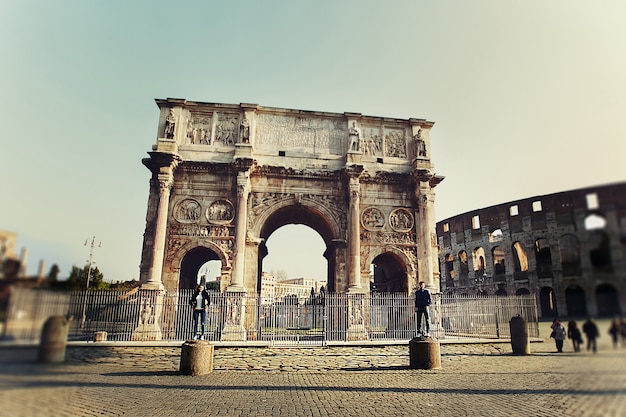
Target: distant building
300,287
567,248
273,290
268,286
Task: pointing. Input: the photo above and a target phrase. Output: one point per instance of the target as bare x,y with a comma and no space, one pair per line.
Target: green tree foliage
53,275
78,279
212,286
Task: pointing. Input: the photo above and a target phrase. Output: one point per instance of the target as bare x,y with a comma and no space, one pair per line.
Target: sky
528,98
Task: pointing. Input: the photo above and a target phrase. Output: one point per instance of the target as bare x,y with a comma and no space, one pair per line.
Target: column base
424,353
233,333
356,332
147,332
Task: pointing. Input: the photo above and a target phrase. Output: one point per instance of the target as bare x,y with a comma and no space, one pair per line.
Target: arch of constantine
226,176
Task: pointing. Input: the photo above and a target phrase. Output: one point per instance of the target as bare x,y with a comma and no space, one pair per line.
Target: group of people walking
590,329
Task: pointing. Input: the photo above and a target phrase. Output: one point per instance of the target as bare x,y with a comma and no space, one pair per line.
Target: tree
212,286
53,275
78,279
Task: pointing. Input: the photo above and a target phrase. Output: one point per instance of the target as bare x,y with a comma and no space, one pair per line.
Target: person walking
573,333
422,302
591,331
615,331
558,333
199,301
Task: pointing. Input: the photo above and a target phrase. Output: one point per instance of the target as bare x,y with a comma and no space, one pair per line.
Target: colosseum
567,248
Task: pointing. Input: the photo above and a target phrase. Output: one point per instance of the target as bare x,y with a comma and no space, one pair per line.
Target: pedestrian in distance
615,331
422,302
573,333
558,333
591,332
199,302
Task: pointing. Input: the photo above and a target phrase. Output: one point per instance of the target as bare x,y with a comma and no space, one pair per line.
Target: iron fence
291,320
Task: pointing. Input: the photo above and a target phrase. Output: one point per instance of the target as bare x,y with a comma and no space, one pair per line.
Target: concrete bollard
196,358
54,340
424,353
520,342
100,337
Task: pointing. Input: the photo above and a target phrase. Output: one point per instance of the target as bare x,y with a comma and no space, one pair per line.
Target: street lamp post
91,262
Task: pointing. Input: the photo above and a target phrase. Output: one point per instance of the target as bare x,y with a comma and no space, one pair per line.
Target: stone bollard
519,336
424,353
196,358
100,337
54,340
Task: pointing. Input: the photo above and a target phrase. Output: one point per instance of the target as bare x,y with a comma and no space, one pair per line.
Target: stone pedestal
100,337
54,340
196,358
424,353
520,342
356,332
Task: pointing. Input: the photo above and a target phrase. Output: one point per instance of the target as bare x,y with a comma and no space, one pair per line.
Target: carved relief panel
199,129
395,143
372,219
226,129
220,212
187,211
372,141
401,220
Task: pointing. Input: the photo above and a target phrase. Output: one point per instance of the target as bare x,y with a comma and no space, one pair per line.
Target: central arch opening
297,246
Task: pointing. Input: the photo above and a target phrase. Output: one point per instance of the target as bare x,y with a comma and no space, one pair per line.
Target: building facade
567,248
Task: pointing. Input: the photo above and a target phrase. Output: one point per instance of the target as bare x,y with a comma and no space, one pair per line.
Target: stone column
243,191
160,226
162,164
354,237
428,270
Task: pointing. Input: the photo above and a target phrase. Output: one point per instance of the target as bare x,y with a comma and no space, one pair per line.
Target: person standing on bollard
422,302
199,301
558,333
591,331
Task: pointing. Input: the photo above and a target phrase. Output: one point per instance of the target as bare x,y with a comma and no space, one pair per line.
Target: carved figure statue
170,125
355,138
245,130
421,145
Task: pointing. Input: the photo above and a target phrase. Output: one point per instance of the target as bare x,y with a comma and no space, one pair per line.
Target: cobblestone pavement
475,379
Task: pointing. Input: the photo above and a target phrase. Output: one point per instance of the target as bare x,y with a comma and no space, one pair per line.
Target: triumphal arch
226,176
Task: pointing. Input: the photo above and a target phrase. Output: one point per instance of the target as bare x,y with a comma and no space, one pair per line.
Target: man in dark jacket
422,301
591,331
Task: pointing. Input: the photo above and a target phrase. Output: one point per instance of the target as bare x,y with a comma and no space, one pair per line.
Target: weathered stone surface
52,347
196,358
424,353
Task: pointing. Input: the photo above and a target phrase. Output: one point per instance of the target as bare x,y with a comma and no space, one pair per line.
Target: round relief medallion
372,218
187,211
401,220
220,212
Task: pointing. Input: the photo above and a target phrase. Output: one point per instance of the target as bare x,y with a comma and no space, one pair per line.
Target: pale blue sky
528,97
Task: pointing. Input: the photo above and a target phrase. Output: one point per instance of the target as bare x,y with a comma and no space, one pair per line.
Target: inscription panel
313,135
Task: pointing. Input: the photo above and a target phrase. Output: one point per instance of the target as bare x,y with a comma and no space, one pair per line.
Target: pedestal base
196,358
233,333
424,353
147,332
356,332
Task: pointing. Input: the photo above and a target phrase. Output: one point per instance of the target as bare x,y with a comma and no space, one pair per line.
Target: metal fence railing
290,320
